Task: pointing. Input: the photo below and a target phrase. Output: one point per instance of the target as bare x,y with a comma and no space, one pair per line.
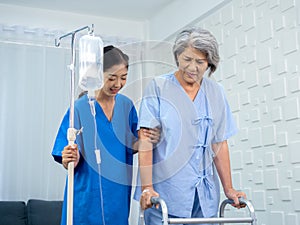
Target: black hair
113,56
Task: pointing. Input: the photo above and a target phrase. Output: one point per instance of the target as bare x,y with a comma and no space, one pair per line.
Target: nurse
102,192
196,121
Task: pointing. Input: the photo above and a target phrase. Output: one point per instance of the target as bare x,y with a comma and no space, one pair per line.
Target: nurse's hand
153,134
235,195
70,154
145,199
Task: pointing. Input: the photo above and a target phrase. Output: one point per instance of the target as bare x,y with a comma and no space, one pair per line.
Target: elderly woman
196,121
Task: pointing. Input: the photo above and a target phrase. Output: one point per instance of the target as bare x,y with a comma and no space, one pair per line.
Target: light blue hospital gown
183,160
114,140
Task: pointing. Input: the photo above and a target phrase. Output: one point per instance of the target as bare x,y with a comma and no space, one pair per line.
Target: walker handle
164,208
161,202
242,201
155,200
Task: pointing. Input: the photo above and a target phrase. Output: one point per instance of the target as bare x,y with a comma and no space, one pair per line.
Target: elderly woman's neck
191,88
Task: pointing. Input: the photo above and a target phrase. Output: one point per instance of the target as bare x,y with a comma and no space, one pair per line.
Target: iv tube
91,79
90,64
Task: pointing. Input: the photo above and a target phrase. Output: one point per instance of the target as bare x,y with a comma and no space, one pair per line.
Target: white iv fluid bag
90,63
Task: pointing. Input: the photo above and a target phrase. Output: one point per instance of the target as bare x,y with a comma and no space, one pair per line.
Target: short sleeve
225,126
61,139
133,121
149,109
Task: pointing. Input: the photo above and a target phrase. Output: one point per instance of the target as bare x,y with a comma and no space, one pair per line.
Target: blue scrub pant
154,217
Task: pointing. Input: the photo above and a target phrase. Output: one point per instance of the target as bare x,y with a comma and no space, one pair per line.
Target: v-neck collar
102,112
198,92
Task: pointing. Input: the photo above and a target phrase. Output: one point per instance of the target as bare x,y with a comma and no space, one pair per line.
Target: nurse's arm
145,164
222,162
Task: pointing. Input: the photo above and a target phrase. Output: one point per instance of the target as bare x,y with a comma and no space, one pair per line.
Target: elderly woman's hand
235,195
146,196
70,154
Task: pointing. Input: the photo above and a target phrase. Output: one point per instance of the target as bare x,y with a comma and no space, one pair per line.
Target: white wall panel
291,219
285,193
276,217
264,57
279,88
294,84
291,109
269,135
282,139
296,200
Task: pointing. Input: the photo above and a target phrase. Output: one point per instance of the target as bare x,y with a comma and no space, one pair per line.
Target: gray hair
201,40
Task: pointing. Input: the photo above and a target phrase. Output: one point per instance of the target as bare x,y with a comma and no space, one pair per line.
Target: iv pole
72,132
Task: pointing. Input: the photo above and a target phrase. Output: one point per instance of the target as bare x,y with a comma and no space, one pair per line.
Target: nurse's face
192,64
114,79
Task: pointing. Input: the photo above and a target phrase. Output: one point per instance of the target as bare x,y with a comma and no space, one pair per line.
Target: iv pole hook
90,29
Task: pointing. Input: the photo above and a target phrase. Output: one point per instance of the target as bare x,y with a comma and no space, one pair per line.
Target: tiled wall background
260,70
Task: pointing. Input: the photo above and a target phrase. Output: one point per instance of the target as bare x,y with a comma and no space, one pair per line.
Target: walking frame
221,220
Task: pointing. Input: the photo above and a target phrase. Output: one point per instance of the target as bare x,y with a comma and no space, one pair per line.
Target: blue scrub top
114,139
183,160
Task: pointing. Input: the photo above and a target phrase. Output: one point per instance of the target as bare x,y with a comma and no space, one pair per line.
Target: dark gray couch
34,212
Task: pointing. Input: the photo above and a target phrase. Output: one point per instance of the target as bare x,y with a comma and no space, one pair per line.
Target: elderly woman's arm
222,162
153,136
145,164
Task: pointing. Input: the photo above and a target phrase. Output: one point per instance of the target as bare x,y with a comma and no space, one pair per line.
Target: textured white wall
177,14
260,70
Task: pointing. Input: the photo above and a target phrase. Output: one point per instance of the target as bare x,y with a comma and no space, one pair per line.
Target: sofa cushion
42,212
13,213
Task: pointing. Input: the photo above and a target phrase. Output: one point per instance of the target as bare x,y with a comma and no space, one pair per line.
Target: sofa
34,212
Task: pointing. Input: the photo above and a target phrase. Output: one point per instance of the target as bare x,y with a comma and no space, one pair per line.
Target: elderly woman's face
192,63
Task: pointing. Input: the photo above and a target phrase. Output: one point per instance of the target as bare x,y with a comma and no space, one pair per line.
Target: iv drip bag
90,63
